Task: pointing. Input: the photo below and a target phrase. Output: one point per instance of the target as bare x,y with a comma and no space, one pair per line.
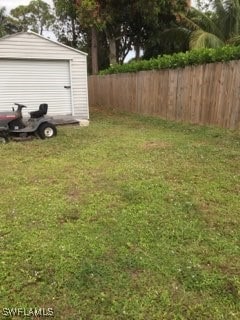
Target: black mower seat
43,108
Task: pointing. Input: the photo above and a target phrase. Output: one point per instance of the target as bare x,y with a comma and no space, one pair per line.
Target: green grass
131,218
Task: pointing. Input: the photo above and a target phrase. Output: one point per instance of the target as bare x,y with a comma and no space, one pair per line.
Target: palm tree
213,28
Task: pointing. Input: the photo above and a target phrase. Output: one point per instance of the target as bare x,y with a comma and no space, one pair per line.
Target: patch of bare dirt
148,145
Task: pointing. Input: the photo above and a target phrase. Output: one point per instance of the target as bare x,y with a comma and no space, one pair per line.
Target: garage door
32,82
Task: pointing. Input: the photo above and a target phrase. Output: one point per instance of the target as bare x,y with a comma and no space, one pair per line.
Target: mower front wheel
47,130
3,140
4,137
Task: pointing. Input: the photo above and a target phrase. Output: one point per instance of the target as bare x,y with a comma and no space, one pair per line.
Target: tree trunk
113,59
74,36
112,51
137,52
94,51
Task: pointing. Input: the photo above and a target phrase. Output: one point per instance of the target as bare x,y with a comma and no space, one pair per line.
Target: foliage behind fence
207,94
178,60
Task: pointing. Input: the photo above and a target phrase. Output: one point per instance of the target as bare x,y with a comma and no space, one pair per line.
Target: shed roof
42,37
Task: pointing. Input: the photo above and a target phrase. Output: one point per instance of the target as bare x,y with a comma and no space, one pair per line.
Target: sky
10,4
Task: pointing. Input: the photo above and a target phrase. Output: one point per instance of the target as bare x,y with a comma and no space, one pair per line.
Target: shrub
178,60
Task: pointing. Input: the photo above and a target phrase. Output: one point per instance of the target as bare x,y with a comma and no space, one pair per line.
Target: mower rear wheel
47,130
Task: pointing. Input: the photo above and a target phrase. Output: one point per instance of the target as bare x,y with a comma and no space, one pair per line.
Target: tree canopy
36,16
215,24
7,26
108,30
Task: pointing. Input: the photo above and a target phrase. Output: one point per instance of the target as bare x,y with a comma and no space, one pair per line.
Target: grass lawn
131,218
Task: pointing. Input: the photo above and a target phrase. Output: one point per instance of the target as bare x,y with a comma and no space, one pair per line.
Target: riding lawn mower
12,125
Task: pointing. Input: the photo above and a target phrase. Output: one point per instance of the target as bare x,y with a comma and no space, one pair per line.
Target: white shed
35,70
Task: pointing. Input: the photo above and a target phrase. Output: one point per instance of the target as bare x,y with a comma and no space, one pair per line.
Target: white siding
28,45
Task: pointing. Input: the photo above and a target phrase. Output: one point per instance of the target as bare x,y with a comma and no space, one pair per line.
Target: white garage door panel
32,82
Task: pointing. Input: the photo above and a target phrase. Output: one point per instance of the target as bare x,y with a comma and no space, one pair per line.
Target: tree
7,25
75,26
2,21
125,24
21,17
217,26
37,16
91,18
67,28
112,28
161,35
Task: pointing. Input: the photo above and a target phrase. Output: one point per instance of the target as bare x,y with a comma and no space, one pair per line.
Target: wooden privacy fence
207,94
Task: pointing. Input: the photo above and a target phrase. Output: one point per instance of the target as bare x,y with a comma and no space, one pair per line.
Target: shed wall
32,46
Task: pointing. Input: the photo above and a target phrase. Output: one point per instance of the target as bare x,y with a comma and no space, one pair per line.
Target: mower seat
43,108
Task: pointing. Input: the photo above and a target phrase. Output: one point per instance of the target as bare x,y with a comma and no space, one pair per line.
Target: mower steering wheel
20,105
